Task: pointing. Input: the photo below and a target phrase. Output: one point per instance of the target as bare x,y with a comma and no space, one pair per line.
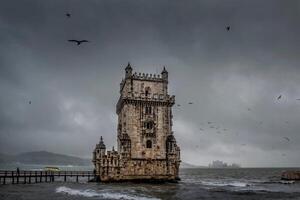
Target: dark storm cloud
74,89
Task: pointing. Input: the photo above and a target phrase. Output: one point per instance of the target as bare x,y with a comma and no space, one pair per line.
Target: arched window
148,125
148,110
147,91
149,144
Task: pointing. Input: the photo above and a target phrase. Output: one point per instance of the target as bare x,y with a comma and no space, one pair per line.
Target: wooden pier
28,177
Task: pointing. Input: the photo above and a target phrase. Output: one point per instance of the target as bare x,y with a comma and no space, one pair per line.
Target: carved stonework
147,148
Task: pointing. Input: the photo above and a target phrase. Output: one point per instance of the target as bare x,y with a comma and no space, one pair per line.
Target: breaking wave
231,184
104,195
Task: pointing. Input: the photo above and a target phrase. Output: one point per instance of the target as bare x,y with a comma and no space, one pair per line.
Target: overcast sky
232,77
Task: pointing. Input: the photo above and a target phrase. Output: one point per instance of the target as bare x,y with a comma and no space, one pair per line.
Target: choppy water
195,184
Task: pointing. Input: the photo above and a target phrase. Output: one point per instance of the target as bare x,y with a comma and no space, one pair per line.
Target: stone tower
147,148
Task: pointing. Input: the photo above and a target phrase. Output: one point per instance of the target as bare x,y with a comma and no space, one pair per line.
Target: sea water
243,183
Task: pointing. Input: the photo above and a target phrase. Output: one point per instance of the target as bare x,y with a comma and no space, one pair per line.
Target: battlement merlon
163,77
142,99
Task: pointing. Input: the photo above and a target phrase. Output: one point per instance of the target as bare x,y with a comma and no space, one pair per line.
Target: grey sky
74,89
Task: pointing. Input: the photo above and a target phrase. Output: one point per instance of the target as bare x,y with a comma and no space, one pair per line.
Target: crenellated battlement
129,74
150,77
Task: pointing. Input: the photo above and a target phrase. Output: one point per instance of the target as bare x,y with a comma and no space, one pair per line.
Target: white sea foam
105,195
232,184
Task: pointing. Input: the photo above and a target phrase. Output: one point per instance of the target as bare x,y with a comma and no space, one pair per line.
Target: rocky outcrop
291,175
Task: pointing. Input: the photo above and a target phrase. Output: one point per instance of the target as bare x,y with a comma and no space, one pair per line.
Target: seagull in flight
190,102
29,102
68,15
279,97
288,139
227,28
78,41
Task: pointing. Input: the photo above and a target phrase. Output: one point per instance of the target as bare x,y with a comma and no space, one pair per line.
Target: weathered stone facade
147,148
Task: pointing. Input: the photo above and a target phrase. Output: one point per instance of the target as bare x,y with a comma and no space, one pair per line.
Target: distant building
147,148
221,164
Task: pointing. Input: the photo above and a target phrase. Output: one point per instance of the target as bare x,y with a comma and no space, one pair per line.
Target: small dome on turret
128,67
171,138
164,70
128,70
164,73
101,143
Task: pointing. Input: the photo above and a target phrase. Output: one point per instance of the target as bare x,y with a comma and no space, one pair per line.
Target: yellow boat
52,169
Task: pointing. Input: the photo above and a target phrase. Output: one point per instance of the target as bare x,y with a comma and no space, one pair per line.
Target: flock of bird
219,129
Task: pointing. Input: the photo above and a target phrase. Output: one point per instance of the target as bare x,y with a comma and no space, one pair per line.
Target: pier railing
16,177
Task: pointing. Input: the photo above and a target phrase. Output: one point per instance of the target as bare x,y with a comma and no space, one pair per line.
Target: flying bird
288,139
227,28
190,102
68,15
209,122
249,109
178,105
78,41
279,97
298,99
201,129
29,102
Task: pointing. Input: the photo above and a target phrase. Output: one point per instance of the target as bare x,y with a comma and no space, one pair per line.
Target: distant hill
48,158
44,158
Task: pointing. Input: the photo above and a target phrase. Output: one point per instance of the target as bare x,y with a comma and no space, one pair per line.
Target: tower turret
128,71
102,147
164,73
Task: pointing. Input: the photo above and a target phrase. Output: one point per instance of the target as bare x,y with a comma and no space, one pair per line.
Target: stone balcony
159,98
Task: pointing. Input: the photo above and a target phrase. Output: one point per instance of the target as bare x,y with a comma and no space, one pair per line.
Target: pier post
29,181
35,176
18,174
24,175
65,177
4,177
41,173
77,178
46,177
12,177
